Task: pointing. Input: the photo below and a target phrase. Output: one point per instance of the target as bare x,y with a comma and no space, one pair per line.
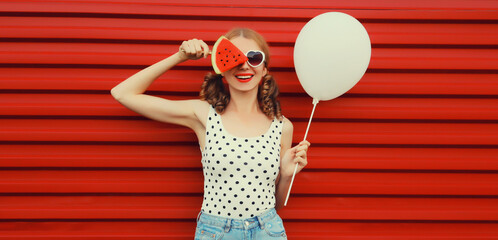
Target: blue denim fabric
268,225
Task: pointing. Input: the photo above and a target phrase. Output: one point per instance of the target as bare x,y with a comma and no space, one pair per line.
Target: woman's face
237,77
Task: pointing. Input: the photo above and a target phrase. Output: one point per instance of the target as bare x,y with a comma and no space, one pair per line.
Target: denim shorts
267,225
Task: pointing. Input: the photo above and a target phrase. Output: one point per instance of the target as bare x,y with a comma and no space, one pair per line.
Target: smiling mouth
244,77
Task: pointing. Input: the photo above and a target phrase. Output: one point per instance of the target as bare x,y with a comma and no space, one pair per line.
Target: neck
244,102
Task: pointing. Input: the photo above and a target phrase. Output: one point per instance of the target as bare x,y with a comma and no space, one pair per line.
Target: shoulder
201,109
287,132
288,126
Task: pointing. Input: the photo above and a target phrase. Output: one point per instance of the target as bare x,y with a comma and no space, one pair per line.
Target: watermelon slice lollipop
225,55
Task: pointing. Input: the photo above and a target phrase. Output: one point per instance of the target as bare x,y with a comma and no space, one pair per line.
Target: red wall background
408,153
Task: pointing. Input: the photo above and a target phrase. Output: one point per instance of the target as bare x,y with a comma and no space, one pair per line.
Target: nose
244,65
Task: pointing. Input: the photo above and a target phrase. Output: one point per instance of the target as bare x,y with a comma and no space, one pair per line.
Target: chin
245,86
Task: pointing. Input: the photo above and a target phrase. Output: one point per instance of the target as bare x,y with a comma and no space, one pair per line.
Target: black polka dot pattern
239,172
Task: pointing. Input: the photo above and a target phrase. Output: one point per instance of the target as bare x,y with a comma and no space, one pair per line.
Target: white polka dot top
239,173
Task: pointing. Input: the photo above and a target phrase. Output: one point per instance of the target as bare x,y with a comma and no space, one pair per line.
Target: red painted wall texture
408,153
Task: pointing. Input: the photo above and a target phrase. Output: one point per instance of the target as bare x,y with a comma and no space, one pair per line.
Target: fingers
194,49
206,48
197,47
301,158
302,146
304,143
300,151
301,154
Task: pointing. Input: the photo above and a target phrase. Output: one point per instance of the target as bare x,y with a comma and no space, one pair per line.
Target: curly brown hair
213,89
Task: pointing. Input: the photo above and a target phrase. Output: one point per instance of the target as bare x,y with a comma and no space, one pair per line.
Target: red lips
244,77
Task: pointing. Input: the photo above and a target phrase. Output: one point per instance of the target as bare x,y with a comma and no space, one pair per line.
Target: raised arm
130,92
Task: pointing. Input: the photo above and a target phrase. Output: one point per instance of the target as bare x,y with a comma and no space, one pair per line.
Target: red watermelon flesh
225,55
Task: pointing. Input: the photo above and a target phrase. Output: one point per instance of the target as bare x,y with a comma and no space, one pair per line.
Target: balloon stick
315,101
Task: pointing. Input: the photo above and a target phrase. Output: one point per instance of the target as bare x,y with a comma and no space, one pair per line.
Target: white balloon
331,54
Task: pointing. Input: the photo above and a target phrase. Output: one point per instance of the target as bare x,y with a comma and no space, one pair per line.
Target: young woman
245,141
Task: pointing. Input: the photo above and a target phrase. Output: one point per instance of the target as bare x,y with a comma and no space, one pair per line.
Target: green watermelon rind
213,54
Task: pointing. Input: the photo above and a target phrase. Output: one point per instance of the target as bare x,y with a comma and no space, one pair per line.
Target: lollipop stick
315,101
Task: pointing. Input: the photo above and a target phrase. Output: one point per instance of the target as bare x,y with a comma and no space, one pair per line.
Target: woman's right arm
130,92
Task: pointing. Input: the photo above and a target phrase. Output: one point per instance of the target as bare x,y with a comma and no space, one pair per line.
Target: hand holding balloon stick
331,54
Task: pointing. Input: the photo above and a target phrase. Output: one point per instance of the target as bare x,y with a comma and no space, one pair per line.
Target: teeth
244,77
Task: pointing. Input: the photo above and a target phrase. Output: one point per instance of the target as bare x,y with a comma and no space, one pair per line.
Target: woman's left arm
289,157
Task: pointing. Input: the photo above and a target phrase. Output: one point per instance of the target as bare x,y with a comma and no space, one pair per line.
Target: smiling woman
245,141
213,90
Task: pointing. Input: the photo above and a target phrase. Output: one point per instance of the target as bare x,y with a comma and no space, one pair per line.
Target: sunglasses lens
255,58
